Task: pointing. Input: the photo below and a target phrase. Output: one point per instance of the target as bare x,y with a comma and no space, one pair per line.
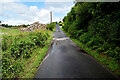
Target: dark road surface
65,61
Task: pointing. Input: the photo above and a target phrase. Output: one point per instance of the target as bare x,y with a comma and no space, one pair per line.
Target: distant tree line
8,26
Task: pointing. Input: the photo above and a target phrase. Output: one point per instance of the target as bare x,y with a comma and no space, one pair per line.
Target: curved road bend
66,61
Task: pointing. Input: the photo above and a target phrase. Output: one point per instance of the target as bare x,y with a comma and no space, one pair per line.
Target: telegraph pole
50,17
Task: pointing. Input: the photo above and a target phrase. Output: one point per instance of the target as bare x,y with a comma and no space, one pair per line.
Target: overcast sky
16,12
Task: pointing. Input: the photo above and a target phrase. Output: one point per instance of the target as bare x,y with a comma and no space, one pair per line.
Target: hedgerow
97,25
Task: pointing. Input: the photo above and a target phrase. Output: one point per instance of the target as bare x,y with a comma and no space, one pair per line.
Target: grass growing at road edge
108,62
22,53
33,63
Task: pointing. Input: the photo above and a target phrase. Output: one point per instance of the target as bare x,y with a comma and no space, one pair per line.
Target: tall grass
22,53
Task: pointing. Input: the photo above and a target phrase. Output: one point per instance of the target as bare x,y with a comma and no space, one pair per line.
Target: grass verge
32,64
22,53
107,61
9,31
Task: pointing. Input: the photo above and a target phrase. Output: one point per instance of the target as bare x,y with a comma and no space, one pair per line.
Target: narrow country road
64,60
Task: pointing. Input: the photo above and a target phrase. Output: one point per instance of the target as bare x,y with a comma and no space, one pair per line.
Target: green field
9,31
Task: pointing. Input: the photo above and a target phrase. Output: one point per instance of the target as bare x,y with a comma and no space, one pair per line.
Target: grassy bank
22,53
9,31
32,64
105,60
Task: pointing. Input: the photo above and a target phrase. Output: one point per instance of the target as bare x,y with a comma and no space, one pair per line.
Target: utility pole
50,17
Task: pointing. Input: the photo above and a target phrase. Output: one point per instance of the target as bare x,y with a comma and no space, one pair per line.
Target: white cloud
43,13
58,4
14,7
36,1
59,7
58,0
16,22
64,9
7,1
56,19
19,13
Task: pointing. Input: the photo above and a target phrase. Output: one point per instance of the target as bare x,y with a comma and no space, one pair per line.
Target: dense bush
85,37
19,47
95,41
51,26
97,25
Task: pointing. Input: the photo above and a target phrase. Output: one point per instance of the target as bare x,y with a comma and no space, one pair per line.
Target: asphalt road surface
64,60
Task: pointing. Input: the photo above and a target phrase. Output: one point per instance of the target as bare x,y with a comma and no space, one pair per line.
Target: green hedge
95,24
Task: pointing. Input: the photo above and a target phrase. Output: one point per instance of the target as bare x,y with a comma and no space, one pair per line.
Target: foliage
95,41
85,37
76,33
18,47
51,26
97,25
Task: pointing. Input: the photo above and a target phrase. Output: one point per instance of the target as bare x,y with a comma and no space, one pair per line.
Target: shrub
51,26
95,41
19,47
100,49
100,24
10,67
76,34
85,37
